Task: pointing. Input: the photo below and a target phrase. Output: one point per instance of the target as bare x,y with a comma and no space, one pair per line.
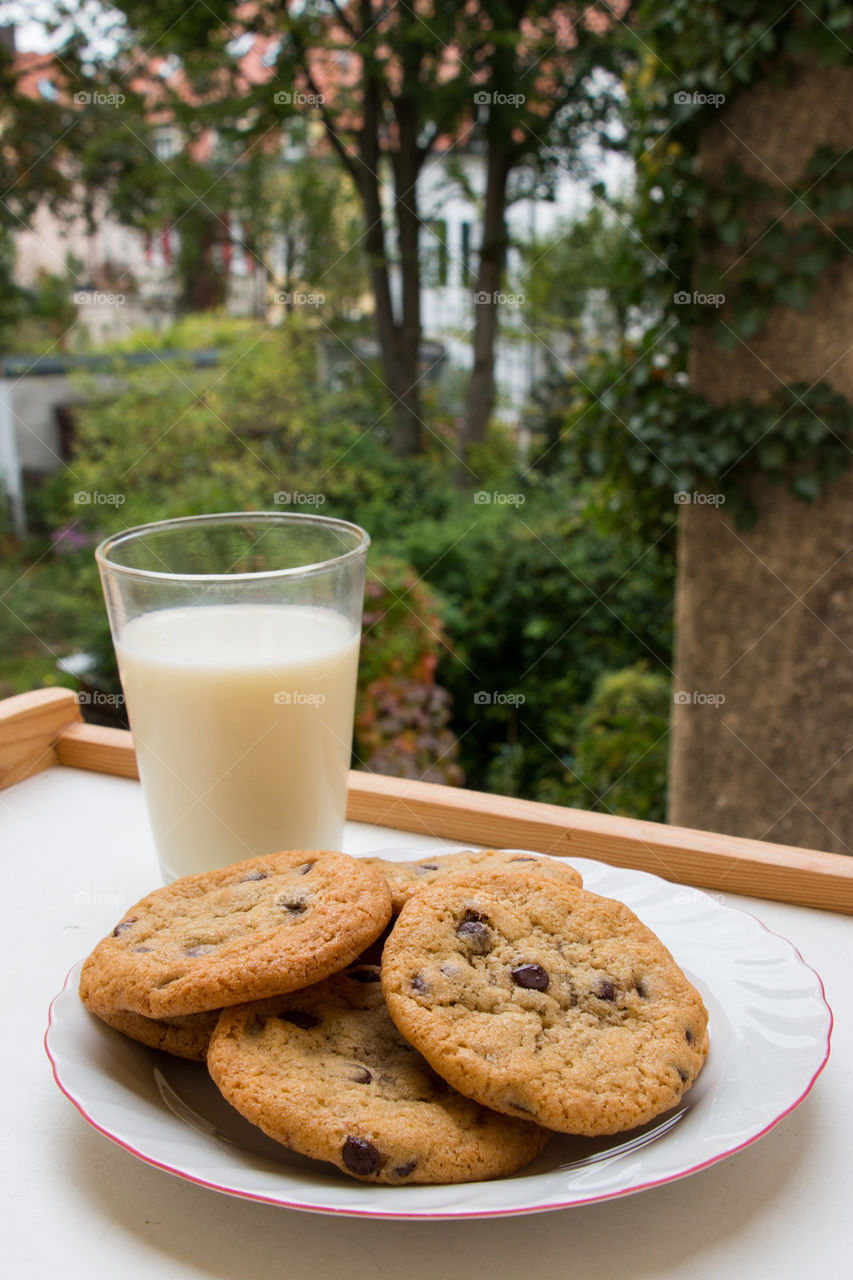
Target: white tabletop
77,853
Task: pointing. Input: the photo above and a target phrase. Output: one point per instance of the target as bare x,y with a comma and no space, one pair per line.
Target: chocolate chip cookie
325,1072
183,1037
406,878
244,932
544,1001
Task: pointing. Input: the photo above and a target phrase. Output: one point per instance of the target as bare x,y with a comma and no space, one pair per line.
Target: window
167,143
270,55
434,254
465,253
240,45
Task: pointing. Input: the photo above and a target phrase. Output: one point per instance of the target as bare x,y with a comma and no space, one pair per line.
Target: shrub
539,606
620,757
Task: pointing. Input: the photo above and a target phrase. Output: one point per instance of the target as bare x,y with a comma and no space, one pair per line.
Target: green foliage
50,605
538,606
403,632
581,279
643,431
621,753
402,721
198,331
633,421
242,436
517,596
312,218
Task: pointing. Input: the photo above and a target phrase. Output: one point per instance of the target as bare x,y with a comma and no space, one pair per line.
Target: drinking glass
237,639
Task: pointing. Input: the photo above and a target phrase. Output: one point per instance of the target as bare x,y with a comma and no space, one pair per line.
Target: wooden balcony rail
45,728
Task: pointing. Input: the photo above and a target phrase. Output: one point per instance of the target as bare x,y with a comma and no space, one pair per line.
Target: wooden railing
45,728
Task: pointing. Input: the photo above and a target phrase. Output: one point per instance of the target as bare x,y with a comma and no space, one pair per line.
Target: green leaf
796,292
772,453
731,232
806,487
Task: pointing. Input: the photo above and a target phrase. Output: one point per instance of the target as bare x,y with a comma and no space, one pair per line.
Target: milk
242,721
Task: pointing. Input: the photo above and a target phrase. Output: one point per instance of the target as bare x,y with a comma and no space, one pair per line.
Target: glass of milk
237,640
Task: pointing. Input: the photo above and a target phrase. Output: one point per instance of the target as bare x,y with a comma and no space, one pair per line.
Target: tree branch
345,21
325,114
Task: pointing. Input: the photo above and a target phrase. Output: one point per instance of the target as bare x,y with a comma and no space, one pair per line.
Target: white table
76,853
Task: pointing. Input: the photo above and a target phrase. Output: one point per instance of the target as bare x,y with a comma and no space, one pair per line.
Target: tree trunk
406,169
398,351
480,397
399,344
761,742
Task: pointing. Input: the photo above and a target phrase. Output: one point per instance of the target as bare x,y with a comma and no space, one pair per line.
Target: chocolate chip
360,1156
477,916
530,976
364,975
122,925
682,1075
203,949
403,1170
359,1075
418,983
296,907
641,990
688,1036
477,936
525,859
254,875
519,1106
426,866
300,1018
606,990
142,950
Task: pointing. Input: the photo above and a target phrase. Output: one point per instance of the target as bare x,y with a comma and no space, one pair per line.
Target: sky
24,15
28,17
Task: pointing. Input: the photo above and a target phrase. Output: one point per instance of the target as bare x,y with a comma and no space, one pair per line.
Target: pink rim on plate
770,1032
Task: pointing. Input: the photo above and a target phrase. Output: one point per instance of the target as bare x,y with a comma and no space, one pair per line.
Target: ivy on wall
724,252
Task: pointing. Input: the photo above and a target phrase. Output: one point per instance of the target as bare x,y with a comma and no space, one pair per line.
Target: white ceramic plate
769,1028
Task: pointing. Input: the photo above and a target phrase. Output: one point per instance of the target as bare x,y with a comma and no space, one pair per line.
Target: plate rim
467,1215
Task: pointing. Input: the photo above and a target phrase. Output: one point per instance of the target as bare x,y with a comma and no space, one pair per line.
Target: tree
581,280
310,227
518,79
31,130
